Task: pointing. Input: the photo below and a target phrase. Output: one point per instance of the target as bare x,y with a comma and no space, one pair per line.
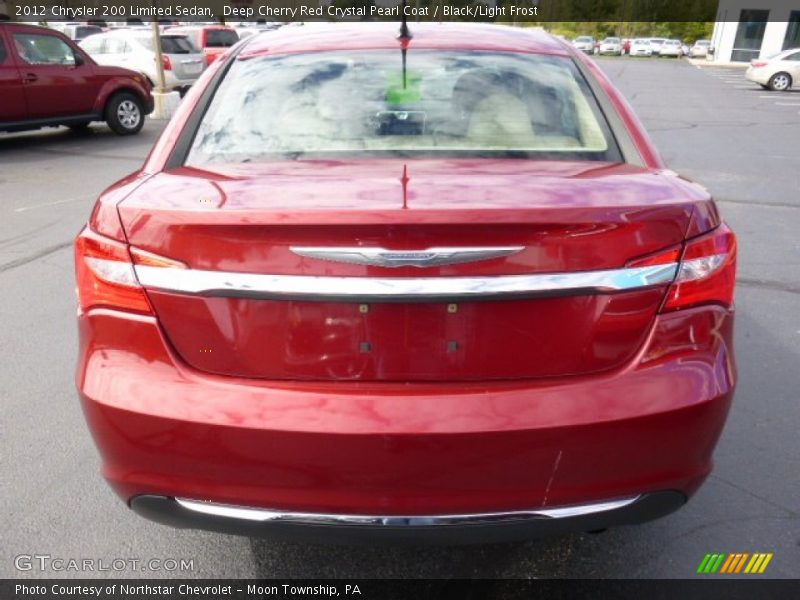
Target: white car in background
611,45
640,47
672,48
700,49
584,43
655,45
134,49
777,72
245,31
77,32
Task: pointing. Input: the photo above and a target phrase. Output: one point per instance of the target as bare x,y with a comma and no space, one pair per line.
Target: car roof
27,26
310,37
785,52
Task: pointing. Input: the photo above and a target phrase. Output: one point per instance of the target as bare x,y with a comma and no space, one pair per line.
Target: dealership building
748,29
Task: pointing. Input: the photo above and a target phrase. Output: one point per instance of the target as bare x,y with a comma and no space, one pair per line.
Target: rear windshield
220,38
363,104
170,44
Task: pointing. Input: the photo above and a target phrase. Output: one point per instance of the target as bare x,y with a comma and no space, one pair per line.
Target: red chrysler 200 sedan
430,287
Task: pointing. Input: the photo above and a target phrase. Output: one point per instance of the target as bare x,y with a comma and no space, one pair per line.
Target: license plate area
507,339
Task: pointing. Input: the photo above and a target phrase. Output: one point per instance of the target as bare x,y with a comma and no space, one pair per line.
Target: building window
749,35
792,39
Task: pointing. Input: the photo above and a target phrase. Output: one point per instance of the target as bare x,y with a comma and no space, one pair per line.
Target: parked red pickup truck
46,80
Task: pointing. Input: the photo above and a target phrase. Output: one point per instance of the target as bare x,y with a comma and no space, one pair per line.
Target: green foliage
687,32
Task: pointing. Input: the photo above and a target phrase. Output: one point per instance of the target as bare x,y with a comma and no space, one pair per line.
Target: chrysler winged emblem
381,257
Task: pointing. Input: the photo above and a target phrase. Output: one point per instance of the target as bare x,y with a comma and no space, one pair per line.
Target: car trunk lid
292,219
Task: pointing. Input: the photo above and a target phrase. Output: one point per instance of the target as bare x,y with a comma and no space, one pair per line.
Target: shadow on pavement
97,139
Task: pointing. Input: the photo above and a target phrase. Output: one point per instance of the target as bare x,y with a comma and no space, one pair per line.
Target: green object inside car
399,92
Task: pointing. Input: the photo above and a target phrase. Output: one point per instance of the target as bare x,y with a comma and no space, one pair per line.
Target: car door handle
30,78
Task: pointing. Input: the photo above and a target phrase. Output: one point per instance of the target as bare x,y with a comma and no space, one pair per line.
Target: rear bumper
168,431
449,529
760,76
173,82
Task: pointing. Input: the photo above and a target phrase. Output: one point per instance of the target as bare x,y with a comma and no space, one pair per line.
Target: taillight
757,64
707,271
663,257
105,274
166,62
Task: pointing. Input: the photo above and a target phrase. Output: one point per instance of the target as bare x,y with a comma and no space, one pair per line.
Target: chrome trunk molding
265,515
400,289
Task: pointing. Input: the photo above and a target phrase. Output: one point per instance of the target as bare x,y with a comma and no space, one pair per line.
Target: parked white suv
700,49
655,45
672,48
134,49
640,47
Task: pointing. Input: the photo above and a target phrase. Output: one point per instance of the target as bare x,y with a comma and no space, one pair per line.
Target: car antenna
405,33
404,37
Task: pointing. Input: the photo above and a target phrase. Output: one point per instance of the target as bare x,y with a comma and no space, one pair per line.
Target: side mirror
78,59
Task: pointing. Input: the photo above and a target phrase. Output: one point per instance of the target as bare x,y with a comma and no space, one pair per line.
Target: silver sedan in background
134,49
611,45
584,43
778,72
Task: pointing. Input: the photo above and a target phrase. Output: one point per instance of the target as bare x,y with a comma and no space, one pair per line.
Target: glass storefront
749,35
792,39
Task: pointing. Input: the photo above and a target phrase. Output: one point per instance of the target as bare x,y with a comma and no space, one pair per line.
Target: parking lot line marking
46,204
787,103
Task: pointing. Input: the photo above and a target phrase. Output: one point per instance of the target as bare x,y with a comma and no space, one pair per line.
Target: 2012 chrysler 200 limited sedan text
437,287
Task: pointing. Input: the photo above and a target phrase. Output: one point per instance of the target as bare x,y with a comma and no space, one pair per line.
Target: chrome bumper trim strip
264,515
399,289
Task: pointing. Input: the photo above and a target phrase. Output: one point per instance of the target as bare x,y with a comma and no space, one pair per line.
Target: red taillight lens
105,273
758,64
166,62
707,272
663,257
105,276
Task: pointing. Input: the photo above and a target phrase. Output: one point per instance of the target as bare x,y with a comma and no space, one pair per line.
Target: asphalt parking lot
709,123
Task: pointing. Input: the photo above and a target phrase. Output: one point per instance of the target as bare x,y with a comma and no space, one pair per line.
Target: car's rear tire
125,114
780,82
